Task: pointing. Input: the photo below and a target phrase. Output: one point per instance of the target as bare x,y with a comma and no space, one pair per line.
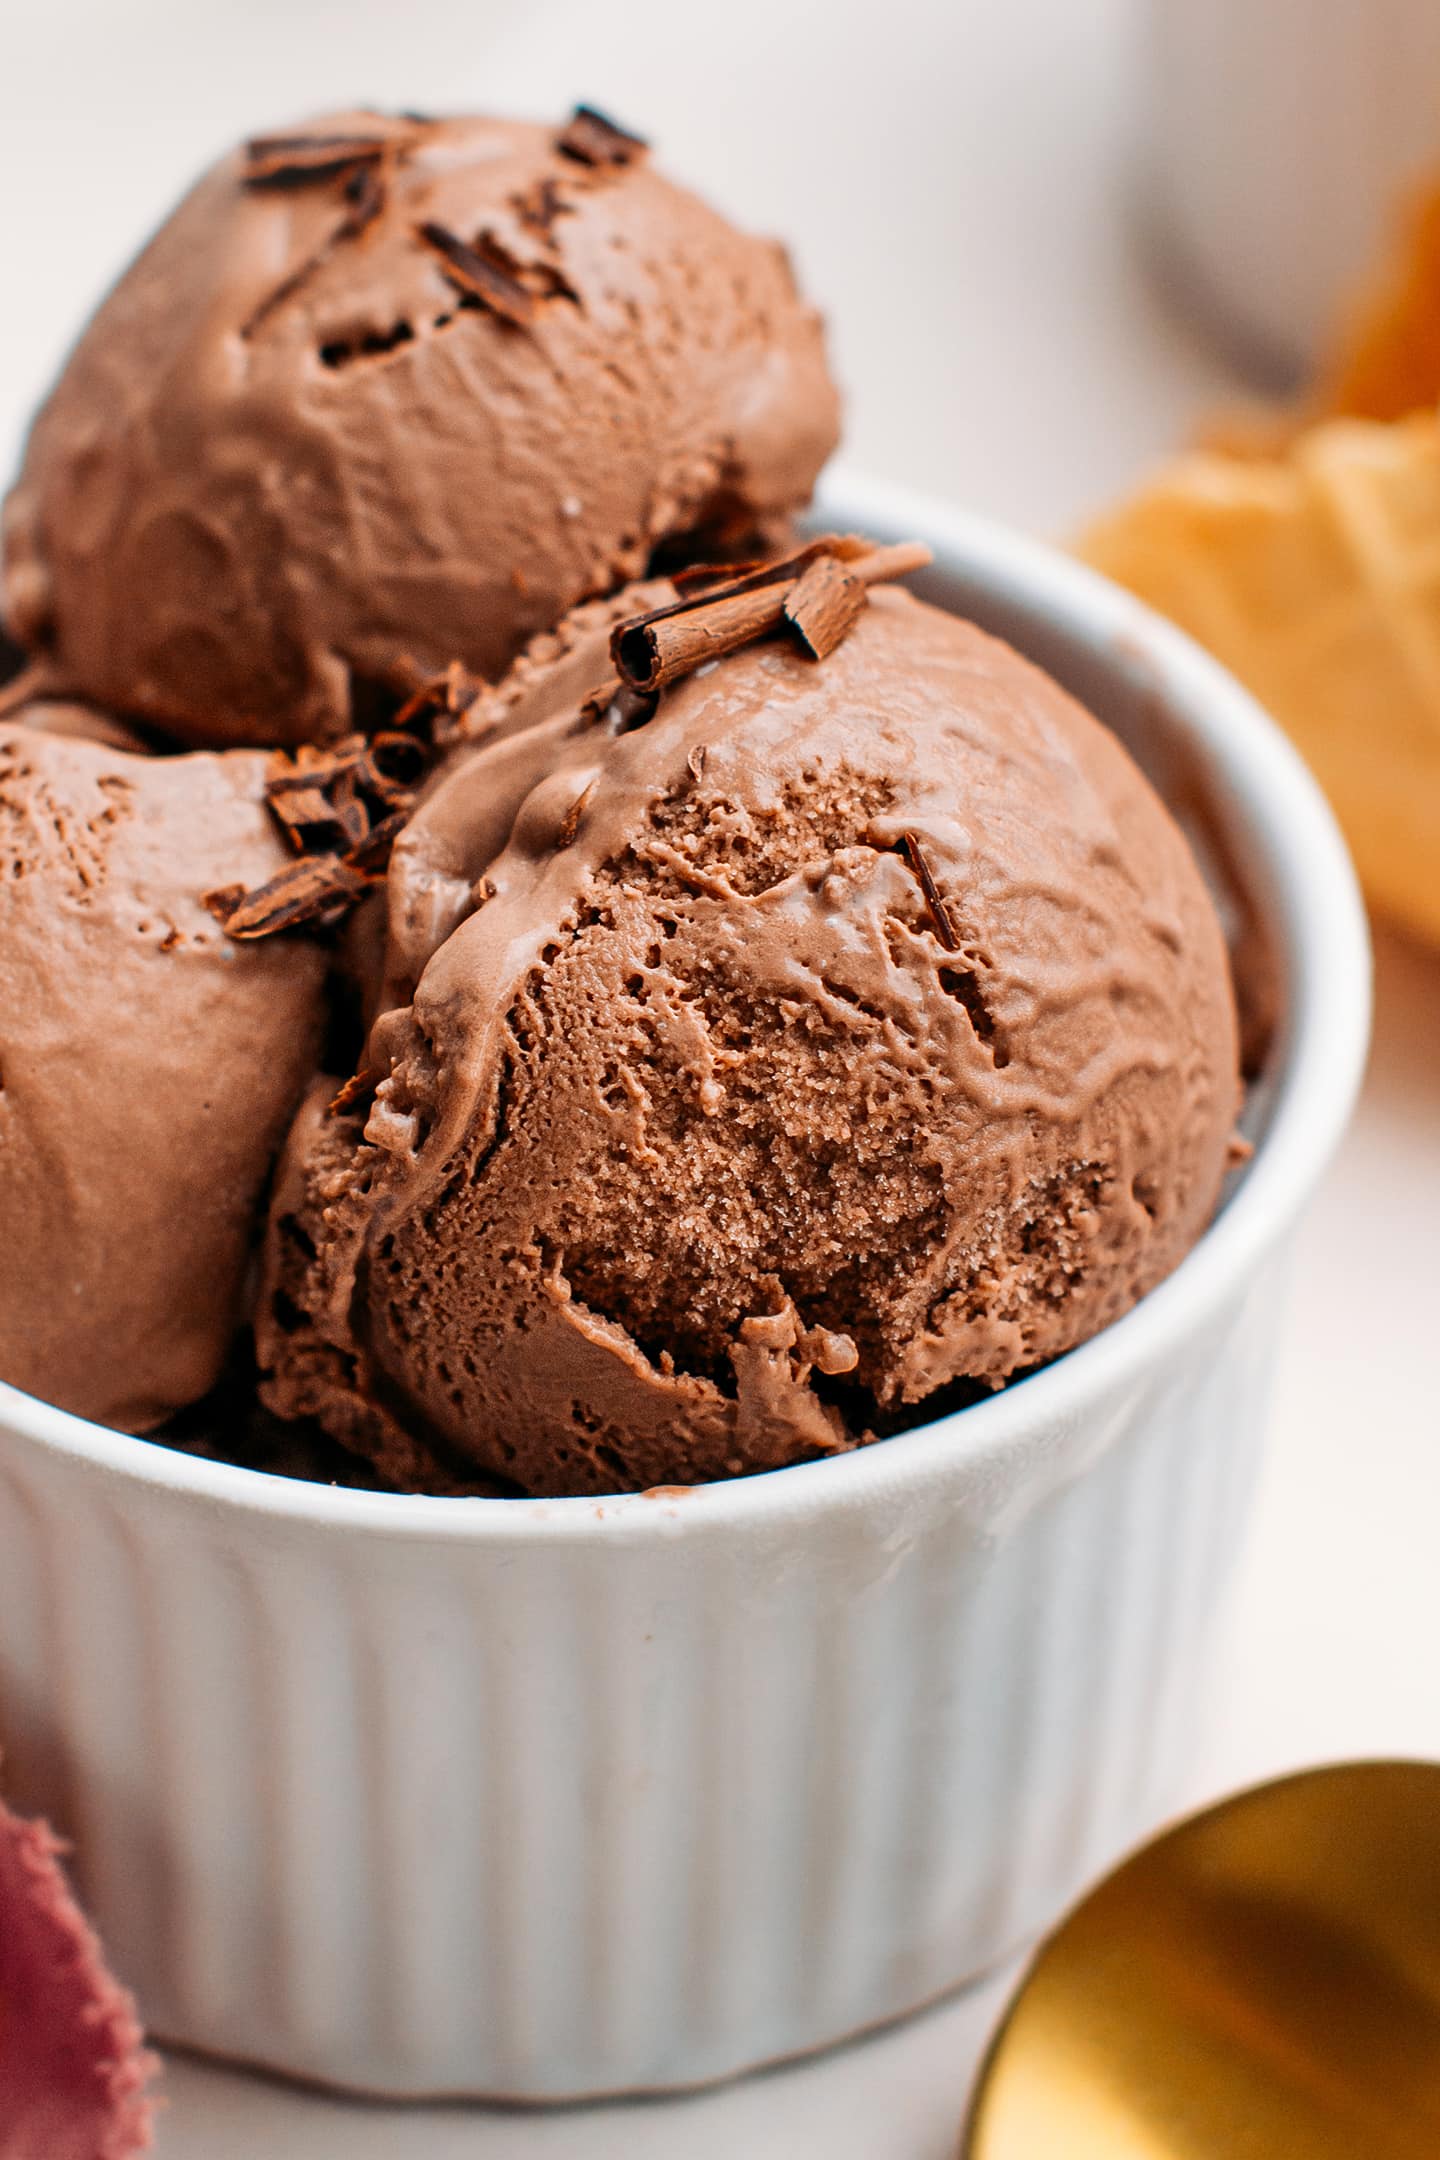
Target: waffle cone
1315,578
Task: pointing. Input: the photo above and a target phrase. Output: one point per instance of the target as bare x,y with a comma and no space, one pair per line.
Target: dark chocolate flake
304,892
592,138
618,707
373,852
310,822
392,766
223,901
365,196
822,605
293,160
570,823
357,1089
483,277
935,906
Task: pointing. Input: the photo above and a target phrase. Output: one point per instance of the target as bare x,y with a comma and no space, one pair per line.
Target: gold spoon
1261,1983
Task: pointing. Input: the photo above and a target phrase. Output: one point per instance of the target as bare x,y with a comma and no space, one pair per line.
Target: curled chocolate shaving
655,652
357,1088
822,605
935,906
592,138
487,277
365,195
341,808
439,703
617,707
311,823
311,890
373,852
540,205
570,823
313,765
294,160
391,767
650,651
223,901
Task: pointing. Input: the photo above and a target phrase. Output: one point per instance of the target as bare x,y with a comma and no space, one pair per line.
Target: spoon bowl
1264,1979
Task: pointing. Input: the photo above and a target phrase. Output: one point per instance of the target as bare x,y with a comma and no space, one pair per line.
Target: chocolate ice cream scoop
398,389
74,2076
149,1065
844,1030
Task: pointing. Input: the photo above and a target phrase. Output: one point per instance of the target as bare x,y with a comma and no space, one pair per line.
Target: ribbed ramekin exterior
546,1799
636,1807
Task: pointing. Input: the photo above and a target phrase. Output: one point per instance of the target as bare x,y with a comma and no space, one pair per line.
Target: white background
956,180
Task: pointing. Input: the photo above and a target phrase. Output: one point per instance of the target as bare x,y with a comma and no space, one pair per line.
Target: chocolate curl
591,138
822,605
358,1088
440,702
303,892
292,160
373,852
935,906
484,277
651,651
364,193
326,802
652,655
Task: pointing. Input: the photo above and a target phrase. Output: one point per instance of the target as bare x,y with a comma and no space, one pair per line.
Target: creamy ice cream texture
74,2077
149,1065
398,389
839,1033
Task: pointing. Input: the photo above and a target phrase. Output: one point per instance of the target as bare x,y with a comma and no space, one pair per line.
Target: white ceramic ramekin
1277,137
536,1799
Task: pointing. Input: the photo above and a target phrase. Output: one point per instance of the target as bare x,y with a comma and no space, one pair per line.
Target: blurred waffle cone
1314,575
1386,360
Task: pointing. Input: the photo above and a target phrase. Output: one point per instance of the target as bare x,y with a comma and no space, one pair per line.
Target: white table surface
953,178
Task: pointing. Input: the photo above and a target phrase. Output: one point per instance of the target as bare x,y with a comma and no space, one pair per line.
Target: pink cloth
74,2075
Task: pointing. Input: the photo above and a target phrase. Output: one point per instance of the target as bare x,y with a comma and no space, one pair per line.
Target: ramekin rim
1321,927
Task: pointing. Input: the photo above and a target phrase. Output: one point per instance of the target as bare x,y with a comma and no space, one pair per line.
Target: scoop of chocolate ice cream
402,390
845,1030
149,1065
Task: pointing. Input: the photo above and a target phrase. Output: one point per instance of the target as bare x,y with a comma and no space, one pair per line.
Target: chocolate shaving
651,651
570,823
437,700
310,822
617,707
592,138
294,160
934,905
303,892
365,195
316,797
356,1089
325,801
373,852
540,205
485,277
312,765
223,901
652,654
352,812
391,767
822,605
